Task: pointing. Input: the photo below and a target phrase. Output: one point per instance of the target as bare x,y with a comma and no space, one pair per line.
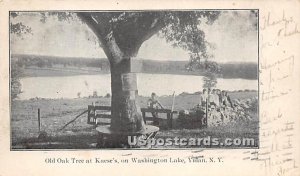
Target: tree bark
126,114
119,44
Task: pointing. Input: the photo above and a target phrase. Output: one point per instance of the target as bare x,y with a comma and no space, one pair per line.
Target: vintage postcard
180,84
209,87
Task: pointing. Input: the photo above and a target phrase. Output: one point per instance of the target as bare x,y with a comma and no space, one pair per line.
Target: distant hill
228,70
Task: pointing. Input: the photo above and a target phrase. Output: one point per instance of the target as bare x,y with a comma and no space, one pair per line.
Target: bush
95,94
16,87
107,95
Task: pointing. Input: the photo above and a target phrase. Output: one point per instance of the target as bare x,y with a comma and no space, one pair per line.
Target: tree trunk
120,41
126,113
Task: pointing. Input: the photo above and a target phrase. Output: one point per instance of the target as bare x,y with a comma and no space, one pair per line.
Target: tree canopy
130,29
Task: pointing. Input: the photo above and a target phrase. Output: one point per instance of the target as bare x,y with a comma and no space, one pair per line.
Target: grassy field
55,113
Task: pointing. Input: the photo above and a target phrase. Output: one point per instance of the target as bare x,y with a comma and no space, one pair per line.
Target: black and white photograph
146,79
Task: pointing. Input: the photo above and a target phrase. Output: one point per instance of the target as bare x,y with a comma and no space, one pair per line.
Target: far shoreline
83,71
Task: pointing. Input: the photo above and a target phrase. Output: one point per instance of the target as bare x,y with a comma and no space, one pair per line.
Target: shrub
16,87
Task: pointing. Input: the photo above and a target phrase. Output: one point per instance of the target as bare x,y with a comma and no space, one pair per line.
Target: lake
161,84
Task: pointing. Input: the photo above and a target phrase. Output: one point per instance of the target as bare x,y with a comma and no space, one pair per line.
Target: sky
233,35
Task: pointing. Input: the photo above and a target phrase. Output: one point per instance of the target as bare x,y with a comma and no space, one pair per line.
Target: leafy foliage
211,71
183,30
16,87
209,80
20,28
131,29
61,16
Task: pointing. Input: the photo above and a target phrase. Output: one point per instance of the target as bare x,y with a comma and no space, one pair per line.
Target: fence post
39,119
206,113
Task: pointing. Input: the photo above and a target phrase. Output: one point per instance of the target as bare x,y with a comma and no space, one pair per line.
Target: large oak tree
121,34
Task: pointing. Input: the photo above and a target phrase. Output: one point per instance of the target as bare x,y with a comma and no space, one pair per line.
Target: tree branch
131,34
105,34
